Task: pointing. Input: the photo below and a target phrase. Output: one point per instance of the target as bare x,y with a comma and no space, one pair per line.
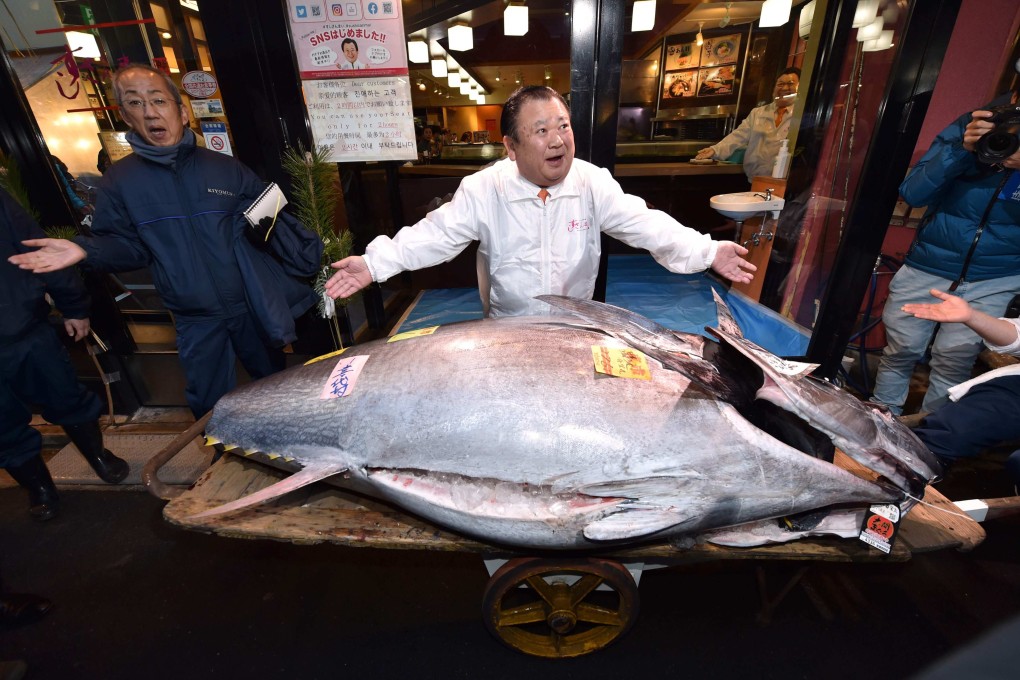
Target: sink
745,204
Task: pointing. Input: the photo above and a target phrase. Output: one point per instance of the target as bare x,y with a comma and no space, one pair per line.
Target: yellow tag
414,334
326,356
621,362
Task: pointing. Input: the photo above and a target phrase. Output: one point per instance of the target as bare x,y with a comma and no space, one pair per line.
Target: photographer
967,243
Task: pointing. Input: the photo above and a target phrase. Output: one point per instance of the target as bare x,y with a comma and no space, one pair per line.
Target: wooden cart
551,606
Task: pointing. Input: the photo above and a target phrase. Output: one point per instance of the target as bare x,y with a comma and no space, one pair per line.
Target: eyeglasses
138,104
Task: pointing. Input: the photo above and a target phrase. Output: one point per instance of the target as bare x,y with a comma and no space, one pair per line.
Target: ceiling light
726,19
480,99
83,45
418,51
453,78
643,18
518,77
700,39
807,15
498,76
465,88
871,31
883,42
439,68
865,13
421,85
774,13
165,35
515,19
460,37
548,73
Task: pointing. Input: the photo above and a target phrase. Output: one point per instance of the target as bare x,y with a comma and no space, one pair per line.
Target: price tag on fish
622,362
880,526
343,377
414,334
326,356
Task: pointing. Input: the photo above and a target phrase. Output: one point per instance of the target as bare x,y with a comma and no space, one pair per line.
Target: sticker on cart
622,362
343,378
880,525
413,334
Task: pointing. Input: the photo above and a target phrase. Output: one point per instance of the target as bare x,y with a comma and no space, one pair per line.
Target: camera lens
998,145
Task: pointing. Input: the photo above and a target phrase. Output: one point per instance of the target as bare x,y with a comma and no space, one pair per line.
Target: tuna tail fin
651,338
308,475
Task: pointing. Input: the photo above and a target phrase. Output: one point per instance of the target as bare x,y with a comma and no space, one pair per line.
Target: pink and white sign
343,377
348,39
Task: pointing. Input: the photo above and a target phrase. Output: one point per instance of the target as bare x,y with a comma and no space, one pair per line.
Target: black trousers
37,370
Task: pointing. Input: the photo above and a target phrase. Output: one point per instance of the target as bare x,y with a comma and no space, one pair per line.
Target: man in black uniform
36,369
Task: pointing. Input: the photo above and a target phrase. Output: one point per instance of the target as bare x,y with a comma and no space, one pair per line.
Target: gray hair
170,86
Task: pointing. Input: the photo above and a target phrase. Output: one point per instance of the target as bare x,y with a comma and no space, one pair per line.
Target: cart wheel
554,608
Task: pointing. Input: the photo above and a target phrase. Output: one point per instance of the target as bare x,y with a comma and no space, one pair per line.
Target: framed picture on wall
682,55
680,84
715,82
721,50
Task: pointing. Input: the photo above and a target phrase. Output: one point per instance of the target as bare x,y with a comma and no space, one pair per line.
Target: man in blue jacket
968,243
36,369
177,209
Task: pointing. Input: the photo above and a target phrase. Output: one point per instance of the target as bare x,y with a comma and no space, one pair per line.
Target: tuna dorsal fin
654,339
308,475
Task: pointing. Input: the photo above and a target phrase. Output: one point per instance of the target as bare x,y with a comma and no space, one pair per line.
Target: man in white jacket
982,412
763,131
537,216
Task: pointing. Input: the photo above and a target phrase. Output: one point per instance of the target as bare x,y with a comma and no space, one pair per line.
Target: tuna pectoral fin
631,524
307,475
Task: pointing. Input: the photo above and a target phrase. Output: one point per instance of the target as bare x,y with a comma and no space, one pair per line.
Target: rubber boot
89,440
42,492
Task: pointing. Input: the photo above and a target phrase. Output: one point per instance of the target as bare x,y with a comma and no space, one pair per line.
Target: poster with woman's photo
682,55
721,50
680,84
717,81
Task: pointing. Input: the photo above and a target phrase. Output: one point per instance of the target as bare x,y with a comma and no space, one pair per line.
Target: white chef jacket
762,138
957,391
527,248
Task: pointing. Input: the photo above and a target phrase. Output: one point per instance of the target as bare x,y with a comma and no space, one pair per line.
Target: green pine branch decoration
316,190
10,181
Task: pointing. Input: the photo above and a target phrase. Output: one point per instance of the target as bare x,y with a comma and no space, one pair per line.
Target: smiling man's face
158,124
546,147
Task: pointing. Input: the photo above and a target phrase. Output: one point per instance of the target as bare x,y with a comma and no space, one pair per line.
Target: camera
1002,141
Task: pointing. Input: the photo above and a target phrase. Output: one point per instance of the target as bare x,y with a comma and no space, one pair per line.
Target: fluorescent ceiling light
480,98
774,13
418,51
465,88
865,13
460,37
871,31
515,19
83,45
439,68
453,78
643,18
882,42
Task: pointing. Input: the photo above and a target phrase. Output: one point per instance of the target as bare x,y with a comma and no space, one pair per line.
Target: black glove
259,234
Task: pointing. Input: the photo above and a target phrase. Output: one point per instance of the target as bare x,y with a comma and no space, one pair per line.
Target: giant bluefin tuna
503,430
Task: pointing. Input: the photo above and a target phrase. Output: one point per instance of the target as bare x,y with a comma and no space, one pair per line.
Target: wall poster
352,60
721,50
717,81
680,84
682,55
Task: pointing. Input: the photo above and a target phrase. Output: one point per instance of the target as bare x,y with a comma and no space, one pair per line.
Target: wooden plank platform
322,513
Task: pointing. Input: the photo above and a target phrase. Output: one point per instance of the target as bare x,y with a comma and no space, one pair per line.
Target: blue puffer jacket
958,191
181,216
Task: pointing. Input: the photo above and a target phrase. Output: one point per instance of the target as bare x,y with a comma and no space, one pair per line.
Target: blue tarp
682,302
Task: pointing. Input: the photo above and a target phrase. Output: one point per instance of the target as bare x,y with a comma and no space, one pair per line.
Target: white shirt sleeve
1013,348
625,217
438,238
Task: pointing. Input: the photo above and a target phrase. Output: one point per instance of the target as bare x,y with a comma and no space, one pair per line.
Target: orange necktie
779,116
543,194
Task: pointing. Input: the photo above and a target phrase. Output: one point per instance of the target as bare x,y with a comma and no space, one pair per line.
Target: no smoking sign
216,139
